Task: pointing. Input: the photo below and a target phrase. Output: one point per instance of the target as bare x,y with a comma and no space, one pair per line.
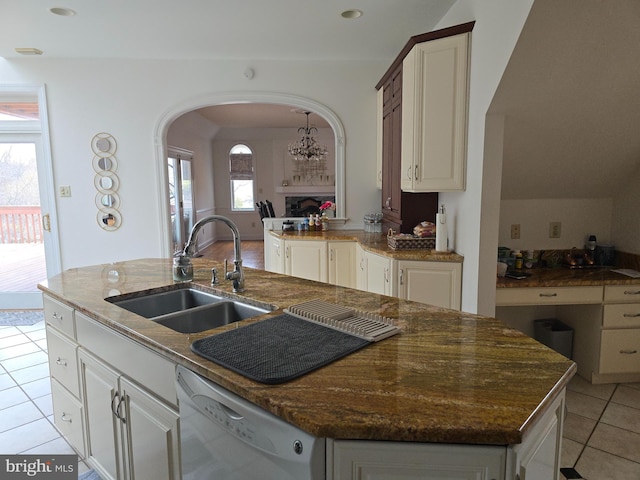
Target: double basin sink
188,310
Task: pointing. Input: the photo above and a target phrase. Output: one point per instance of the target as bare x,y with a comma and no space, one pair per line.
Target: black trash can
555,335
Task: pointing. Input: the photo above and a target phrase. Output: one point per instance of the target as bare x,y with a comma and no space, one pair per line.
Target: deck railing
20,224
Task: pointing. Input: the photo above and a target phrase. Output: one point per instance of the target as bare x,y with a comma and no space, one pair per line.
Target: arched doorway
242,98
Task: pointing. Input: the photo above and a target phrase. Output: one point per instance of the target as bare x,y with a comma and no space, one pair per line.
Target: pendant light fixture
308,155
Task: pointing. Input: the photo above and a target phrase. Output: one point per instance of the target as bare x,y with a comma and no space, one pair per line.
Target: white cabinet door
101,399
435,283
361,268
361,460
131,434
342,264
152,440
306,259
434,115
380,274
276,255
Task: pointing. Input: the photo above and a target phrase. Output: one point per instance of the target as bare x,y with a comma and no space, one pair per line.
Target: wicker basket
406,241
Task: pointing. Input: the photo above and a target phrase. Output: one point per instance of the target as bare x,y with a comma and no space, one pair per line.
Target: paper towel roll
441,230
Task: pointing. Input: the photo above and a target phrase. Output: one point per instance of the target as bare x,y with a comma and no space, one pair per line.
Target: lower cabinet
435,283
306,259
380,274
536,458
131,433
342,264
357,460
124,430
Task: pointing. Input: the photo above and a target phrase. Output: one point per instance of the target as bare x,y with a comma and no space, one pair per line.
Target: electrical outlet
555,229
65,190
515,231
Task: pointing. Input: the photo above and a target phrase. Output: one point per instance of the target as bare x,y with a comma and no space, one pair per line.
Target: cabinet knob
61,362
548,294
416,174
409,173
631,315
64,418
55,316
388,203
628,352
632,292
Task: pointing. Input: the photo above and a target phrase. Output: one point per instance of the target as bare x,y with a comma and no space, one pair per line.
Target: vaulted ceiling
571,100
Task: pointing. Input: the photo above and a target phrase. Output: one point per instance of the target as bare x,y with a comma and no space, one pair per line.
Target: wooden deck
22,267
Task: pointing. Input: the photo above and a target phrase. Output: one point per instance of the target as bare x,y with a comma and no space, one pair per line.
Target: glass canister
182,269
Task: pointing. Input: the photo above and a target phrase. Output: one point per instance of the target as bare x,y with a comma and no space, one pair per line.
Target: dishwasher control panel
233,422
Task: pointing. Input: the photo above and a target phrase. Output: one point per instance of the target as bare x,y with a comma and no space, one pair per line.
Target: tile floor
26,412
601,437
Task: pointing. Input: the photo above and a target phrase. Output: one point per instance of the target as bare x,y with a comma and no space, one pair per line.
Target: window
241,175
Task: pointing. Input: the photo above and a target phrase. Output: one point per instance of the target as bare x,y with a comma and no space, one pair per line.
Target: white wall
579,218
626,219
476,211
127,98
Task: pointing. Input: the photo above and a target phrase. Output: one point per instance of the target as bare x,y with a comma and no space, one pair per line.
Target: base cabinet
306,259
355,460
379,274
536,458
125,431
131,433
435,283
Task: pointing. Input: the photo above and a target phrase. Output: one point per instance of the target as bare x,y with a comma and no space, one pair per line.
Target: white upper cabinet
434,115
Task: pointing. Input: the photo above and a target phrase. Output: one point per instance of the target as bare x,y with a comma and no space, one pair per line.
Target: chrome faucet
237,275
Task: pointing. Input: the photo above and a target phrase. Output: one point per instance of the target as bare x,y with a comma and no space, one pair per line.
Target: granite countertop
447,377
566,277
372,242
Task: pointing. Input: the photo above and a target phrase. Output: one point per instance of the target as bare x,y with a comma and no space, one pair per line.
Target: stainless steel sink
161,303
187,310
210,316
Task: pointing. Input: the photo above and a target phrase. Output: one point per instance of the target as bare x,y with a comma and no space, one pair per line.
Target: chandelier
310,158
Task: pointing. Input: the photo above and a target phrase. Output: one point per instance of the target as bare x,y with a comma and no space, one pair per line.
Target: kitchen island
447,378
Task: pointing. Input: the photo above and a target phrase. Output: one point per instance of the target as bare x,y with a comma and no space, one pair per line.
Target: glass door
29,248
180,199
22,225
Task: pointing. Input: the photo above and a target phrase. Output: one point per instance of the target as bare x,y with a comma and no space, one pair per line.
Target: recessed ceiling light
351,14
63,12
28,51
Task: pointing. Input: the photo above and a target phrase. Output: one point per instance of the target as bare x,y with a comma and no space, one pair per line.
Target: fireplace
305,206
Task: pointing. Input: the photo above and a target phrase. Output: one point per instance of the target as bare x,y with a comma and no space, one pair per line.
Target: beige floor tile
598,465
10,353
12,341
585,405
570,452
632,385
24,361
578,428
30,374
580,385
622,416
6,381
617,441
17,415
58,446
12,396
26,437
627,396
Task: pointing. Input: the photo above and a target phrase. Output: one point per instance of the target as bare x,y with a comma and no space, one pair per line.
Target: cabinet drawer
622,293
67,412
621,315
548,295
59,315
136,361
63,360
620,351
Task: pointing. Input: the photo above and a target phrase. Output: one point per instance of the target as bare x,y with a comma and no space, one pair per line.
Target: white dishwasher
225,437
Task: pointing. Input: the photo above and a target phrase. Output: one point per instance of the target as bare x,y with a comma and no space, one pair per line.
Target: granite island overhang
447,377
